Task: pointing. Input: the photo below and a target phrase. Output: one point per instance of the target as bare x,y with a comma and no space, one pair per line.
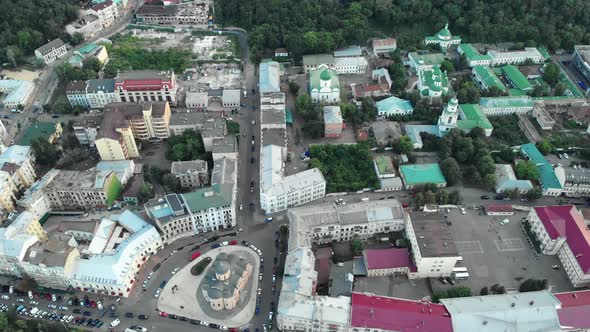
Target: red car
405,205
93,304
195,255
233,242
233,329
163,314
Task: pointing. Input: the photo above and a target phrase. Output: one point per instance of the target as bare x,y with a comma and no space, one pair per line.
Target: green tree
527,170
171,183
551,74
490,180
46,153
455,197
545,147
293,87
514,193
468,93
399,79
233,128
92,64
313,128
447,66
484,291
451,170
369,109
534,194
404,145
357,247
531,285
77,38
146,192
559,89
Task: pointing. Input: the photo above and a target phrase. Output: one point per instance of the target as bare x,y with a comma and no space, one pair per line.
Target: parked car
143,317
163,314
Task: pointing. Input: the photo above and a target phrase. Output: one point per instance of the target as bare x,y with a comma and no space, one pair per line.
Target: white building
324,86
506,105
101,92
16,239
443,38
230,98
51,51
19,162
76,93
86,129
121,245
16,92
107,12
191,174
34,199
277,191
433,247
562,231
500,58
581,59
350,65
575,180
197,100
448,118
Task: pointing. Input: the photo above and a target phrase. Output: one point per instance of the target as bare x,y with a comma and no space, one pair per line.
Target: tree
146,192
313,128
486,165
490,180
11,55
45,152
455,197
399,79
468,93
171,183
484,291
77,38
497,289
514,193
404,145
551,74
451,170
531,285
293,87
559,89
356,246
233,128
452,293
447,66
545,147
369,108
534,194
92,64
527,170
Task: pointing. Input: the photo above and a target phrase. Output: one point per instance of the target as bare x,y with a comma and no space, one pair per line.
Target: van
114,323
459,259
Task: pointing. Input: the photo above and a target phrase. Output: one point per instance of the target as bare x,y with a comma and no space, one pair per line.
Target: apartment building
16,239
76,94
101,92
114,139
51,51
34,200
19,162
148,120
86,129
16,92
191,174
581,59
107,12
146,85
575,179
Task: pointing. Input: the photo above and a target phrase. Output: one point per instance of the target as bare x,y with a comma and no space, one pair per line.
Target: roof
393,104
499,208
529,311
341,279
323,73
413,132
433,235
386,43
428,59
574,309
506,179
56,43
352,50
434,79
565,221
113,117
384,164
221,190
270,77
506,102
548,177
394,314
473,54
231,95
123,168
52,253
531,151
488,77
517,78
102,85
15,154
16,90
332,114
88,48
390,258
317,59
473,116
76,87
38,130
190,166
422,173
14,240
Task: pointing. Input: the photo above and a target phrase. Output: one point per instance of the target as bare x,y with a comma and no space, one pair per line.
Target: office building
146,85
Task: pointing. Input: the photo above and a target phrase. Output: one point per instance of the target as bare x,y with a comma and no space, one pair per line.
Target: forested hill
309,26
27,24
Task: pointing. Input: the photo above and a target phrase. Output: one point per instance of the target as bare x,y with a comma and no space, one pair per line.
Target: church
324,86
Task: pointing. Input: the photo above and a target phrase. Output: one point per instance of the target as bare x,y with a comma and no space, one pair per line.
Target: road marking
469,247
511,244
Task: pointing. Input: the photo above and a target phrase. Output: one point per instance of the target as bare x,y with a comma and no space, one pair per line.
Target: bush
198,268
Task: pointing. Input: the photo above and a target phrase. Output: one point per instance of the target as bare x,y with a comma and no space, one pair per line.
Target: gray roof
183,167
274,136
224,145
56,43
341,279
274,116
433,235
577,176
102,85
231,94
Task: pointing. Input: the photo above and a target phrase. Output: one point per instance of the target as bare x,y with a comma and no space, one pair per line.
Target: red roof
393,314
143,84
566,221
102,5
574,309
499,208
372,88
387,258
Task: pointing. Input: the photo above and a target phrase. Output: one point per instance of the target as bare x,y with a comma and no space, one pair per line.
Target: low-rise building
383,46
486,78
124,169
314,61
121,245
421,174
16,239
106,11
562,231
50,131
51,51
231,98
333,121
506,105
433,83
516,79
548,179
432,245
324,86
471,116
281,53
394,106
17,93
581,59
197,100
210,125
506,180
76,94
387,262
575,179
191,174
543,117
86,129
269,80
348,51
146,85
443,38
474,58
500,58
350,65
194,14
499,210
101,92
18,162
88,25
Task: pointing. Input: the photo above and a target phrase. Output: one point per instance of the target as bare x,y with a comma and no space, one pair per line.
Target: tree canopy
187,146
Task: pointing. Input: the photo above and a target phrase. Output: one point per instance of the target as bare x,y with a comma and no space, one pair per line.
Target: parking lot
499,254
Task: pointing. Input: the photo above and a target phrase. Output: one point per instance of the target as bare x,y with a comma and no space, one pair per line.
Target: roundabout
224,293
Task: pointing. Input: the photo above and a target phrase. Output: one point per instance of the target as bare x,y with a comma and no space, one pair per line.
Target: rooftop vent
532,302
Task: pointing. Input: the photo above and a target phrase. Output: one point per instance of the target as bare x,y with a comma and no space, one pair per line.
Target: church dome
325,75
220,266
453,102
444,33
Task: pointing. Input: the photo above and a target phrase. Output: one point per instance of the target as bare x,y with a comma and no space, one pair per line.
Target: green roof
531,151
570,86
318,59
392,104
472,53
422,174
517,78
511,102
431,78
547,178
318,74
86,49
205,198
488,77
384,164
544,52
36,130
474,117
516,92
428,59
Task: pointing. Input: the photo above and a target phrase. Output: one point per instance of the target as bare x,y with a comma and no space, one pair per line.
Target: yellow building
27,223
7,190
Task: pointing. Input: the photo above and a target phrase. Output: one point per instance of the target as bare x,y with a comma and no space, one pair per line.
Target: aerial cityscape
257,165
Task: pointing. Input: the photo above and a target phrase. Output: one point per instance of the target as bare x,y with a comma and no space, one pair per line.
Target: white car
204,323
223,327
140,328
264,327
11,289
99,305
259,252
63,308
274,278
33,302
175,270
52,306
145,284
259,291
115,323
69,319
5,297
270,316
150,275
53,298
463,211
224,243
173,252
260,277
158,293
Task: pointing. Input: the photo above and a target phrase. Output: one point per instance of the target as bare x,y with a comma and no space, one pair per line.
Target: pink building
384,262
333,121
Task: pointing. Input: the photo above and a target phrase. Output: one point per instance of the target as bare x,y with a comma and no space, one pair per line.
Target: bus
459,269
461,276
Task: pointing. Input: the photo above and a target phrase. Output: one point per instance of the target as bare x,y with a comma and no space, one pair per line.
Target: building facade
86,130
332,121
324,86
581,59
506,105
16,92
500,58
101,92
76,94
191,174
146,85
51,51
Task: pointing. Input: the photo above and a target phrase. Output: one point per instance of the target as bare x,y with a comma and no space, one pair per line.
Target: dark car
197,247
77,311
99,325
274,289
214,326
216,245
257,311
252,160
172,316
276,235
101,313
113,308
485,197
76,301
86,313
143,317
276,243
163,283
182,318
113,314
55,116
253,148
499,197
251,183
245,243
195,322
156,267
261,268
253,137
130,315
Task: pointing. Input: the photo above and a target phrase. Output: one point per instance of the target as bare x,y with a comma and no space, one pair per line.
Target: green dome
444,33
325,75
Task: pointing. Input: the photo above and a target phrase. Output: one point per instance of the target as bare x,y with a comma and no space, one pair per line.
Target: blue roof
353,50
15,154
88,48
413,132
548,178
18,90
393,105
531,151
270,77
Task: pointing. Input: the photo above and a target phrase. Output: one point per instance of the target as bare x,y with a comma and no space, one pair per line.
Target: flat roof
274,136
422,173
37,130
433,235
389,258
489,77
